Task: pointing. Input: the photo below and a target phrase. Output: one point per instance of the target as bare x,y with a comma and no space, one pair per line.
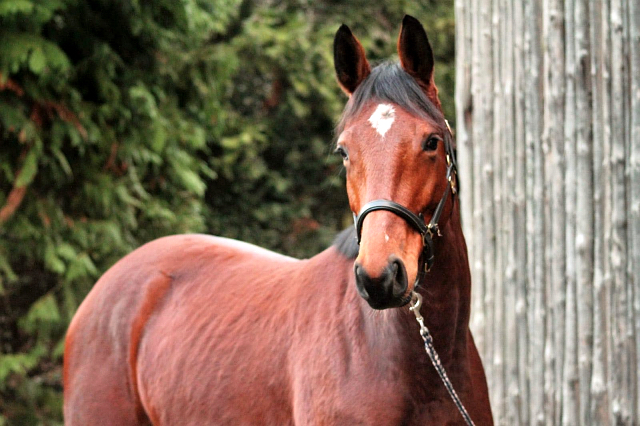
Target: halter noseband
427,232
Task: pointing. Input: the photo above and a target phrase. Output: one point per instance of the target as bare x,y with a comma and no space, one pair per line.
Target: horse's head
392,139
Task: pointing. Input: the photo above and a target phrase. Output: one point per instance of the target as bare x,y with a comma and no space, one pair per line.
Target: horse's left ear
416,56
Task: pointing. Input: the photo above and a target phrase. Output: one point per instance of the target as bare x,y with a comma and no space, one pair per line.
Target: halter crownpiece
426,231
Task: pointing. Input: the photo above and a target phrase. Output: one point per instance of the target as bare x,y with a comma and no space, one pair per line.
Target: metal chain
416,302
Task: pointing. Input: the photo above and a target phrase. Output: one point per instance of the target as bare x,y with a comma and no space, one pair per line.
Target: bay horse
195,329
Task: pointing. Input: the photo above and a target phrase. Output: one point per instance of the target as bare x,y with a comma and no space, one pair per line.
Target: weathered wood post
548,130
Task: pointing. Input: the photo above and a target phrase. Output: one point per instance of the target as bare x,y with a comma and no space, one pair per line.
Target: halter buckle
448,127
433,229
452,181
427,248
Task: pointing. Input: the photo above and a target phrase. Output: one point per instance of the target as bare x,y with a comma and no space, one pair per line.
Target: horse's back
162,296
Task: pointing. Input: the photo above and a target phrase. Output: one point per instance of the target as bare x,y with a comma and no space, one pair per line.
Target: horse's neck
445,292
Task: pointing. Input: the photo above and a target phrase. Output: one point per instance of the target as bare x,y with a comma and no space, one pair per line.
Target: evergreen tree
123,121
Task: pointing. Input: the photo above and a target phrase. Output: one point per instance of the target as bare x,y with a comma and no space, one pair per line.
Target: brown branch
17,193
66,115
48,106
111,161
15,196
11,85
13,202
276,94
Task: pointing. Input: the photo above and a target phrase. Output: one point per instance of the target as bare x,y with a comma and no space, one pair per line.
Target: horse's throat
446,294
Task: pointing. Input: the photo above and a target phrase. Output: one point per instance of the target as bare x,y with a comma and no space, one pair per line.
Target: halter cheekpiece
416,221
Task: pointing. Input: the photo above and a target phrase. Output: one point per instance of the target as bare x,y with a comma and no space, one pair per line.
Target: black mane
346,243
389,82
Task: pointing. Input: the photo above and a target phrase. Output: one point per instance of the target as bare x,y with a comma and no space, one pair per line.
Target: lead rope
416,302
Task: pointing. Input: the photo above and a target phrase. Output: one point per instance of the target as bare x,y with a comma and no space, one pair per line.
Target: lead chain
414,306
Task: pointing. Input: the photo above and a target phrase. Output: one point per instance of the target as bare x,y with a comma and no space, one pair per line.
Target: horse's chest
368,396
372,407
349,395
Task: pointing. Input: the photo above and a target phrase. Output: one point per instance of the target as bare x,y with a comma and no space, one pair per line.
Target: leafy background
122,121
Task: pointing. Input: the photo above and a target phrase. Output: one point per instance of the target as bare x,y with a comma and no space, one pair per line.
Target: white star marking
382,118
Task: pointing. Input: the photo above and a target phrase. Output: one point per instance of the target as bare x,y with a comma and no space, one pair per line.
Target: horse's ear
416,56
349,60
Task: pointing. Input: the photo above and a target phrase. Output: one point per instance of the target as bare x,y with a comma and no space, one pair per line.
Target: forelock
388,82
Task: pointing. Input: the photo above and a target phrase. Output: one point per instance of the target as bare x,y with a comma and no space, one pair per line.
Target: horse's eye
431,143
343,153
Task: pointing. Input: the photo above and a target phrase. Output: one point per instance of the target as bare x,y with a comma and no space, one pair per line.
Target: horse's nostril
400,283
362,281
360,273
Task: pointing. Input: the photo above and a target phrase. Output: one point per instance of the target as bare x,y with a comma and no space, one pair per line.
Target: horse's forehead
383,121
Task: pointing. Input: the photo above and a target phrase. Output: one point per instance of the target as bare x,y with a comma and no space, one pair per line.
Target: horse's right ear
349,60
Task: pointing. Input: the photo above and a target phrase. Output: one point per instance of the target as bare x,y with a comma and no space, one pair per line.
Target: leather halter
416,221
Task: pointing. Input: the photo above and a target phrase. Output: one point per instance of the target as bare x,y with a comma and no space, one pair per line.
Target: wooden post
548,132
633,204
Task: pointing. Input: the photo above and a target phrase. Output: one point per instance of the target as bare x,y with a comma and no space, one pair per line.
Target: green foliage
124,121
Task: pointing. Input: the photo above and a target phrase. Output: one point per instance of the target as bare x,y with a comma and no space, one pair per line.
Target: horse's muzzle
387,290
